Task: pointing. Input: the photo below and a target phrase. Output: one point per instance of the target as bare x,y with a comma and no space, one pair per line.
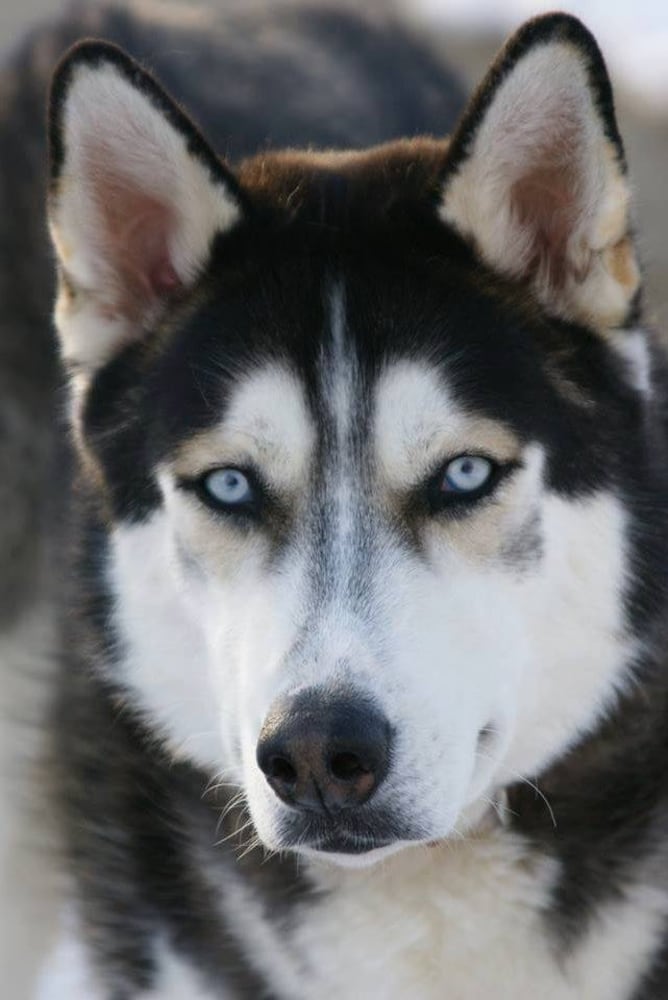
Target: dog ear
136,199
536,175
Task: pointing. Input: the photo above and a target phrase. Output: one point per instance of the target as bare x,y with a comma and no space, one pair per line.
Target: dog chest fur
471,921
464,916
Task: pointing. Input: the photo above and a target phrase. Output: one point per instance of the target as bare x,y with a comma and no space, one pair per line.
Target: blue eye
467,474
228,487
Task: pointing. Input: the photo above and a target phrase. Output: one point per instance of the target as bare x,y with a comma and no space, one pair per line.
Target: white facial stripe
339,372
329,567
338,389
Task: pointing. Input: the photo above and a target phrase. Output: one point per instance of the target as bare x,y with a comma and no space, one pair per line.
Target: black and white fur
341,325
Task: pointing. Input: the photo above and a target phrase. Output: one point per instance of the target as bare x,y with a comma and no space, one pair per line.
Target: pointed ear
536,176
135,202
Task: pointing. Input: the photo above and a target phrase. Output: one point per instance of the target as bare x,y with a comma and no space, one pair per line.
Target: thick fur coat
351,508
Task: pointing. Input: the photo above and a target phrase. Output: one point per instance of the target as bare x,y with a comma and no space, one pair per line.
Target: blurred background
633,35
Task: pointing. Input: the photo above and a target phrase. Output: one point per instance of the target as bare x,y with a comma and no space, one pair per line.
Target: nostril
347,767
281,769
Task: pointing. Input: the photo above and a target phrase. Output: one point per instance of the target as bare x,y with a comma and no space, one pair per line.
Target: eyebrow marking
267,422
418,424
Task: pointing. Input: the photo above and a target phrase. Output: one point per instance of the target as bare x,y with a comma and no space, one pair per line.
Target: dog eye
467,474
228,487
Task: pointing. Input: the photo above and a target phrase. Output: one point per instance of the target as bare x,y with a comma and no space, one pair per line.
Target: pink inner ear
548,199
545,206
133,240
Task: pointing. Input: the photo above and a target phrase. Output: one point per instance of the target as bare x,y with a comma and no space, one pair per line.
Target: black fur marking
117,436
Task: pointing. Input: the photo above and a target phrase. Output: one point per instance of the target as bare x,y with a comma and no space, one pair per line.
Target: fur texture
343,337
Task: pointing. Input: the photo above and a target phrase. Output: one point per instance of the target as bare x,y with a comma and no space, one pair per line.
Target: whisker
523,780
235,833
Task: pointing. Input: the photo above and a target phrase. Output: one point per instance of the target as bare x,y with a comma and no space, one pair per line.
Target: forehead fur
390,182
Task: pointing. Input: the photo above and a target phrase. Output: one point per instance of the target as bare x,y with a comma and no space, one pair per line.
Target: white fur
633,347
178,981
573,614
418,423
267,418
173,665
573,651
67,974
339,384
465,920
167,664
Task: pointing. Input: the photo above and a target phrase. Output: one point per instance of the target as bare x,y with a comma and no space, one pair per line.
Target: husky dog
362,686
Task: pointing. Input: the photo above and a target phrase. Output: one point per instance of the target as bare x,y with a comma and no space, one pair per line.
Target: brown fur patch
620,260
380,183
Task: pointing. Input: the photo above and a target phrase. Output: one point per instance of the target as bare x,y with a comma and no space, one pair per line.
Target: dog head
369,432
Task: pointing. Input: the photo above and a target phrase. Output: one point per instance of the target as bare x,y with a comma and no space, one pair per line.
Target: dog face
368,432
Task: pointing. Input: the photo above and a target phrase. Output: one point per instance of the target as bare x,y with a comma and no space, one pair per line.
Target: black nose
323,752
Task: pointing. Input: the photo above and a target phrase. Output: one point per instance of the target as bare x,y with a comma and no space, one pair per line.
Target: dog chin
356,859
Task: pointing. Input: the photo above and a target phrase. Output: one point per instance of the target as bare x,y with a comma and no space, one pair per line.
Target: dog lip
340,844
356,832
